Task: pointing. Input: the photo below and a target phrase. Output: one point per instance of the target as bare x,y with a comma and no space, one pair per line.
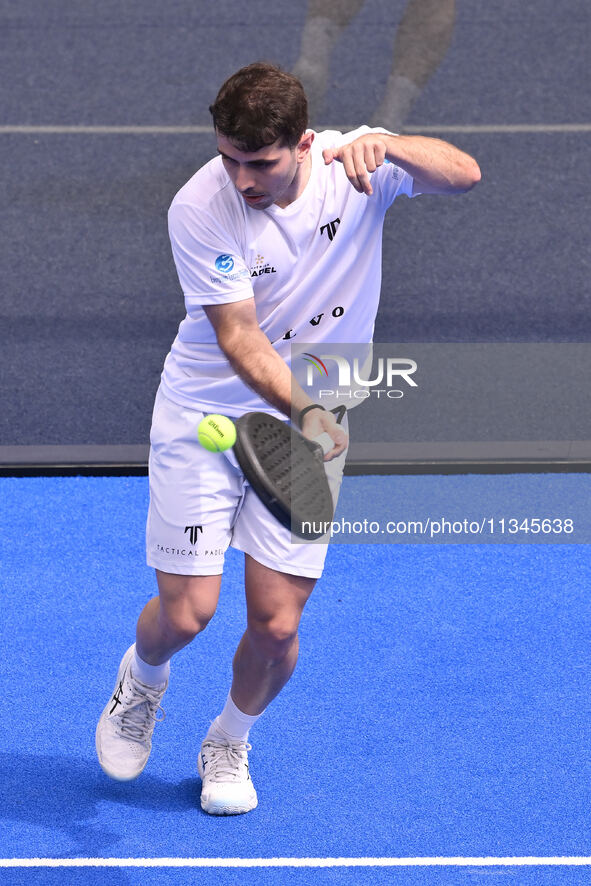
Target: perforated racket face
286,471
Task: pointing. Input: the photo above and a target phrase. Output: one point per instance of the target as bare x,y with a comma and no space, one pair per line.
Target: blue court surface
439,715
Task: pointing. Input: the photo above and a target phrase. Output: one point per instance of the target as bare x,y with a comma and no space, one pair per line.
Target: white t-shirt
314,269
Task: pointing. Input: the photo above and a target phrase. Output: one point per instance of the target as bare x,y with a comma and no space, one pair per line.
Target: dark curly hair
259,105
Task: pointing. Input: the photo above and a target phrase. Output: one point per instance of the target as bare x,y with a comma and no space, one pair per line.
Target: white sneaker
124,731
227,786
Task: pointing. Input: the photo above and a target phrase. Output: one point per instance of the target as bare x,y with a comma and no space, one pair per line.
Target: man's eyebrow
259,162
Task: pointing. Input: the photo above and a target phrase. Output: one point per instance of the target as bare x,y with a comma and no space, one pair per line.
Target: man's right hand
319,421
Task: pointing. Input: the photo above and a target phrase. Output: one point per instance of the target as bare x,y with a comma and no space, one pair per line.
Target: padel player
250,238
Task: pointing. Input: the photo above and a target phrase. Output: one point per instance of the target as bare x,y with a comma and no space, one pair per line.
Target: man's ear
304,145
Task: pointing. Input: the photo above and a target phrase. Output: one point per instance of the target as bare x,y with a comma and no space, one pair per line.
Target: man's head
260,118
260,105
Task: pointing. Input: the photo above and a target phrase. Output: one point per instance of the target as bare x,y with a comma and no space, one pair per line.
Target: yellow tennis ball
216,433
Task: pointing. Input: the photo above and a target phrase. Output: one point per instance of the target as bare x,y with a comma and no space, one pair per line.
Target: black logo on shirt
261,267
337,313
330,228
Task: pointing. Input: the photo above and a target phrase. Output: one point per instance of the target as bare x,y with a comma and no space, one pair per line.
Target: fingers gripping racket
286,471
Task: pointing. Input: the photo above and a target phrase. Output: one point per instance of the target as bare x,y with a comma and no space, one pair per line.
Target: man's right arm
255,361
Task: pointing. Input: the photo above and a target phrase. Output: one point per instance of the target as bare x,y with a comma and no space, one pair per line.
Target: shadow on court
65,794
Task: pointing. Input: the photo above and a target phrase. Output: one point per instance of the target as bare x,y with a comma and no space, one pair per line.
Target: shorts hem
186,569
288,569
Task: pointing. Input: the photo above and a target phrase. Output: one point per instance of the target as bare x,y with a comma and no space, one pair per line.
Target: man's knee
275,602
183,622
187,603
273,638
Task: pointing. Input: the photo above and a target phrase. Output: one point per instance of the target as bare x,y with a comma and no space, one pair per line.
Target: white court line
505,861
540,128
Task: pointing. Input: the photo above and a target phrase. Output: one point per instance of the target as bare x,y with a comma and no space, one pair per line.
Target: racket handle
325,441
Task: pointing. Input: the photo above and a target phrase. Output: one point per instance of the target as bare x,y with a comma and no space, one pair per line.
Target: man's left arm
436,166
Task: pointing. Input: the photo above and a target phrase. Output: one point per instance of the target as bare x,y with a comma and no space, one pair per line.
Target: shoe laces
224,759
142,710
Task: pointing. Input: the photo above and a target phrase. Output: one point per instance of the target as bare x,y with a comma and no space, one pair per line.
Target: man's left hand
360,158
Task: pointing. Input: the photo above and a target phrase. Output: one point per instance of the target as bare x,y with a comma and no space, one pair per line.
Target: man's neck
298,186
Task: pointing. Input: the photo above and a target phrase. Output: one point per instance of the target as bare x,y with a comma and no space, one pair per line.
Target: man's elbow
472,174
235,339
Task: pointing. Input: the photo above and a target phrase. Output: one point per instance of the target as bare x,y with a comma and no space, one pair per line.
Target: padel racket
286,471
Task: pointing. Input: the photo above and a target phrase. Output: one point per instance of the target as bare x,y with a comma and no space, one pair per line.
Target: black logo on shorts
194,532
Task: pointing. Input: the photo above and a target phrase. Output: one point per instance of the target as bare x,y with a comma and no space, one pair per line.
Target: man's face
273,174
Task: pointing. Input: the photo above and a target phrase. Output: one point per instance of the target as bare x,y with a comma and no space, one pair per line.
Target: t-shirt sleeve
209,264
394,181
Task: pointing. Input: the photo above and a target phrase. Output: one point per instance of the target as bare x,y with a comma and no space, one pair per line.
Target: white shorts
200,503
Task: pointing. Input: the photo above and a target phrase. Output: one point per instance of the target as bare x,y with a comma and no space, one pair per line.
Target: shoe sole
104,766
227,810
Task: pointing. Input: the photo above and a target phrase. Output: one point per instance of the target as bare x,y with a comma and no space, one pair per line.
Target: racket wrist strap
307,409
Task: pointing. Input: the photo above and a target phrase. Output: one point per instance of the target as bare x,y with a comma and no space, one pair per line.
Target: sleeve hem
219,298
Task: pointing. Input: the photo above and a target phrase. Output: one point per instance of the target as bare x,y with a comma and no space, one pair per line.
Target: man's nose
244,179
